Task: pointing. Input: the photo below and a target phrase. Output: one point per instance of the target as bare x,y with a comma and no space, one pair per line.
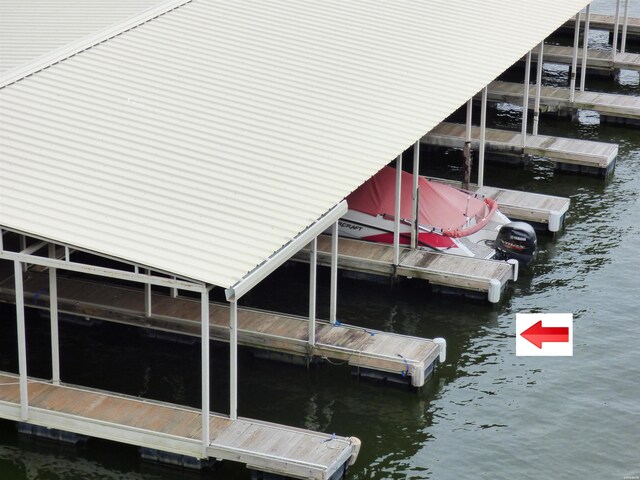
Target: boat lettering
349,226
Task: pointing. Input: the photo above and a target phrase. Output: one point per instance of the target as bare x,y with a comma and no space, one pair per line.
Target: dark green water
485,413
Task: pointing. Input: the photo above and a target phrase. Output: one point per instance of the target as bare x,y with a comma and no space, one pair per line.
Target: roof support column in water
313,262
525,99
333,299
585,47
53,314
147,296
574,61
616,28
204,323
623,45
22,341
483,134
396,218
233,359
414,196
467,147
536,108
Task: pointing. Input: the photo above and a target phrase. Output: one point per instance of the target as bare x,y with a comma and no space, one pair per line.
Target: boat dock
541,211
623,109
445,270
389,356
596,59
585,155
267,447
606,22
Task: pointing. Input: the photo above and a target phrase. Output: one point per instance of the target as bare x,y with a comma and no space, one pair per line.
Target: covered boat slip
393,355
624,109
598,156
263,446
453,271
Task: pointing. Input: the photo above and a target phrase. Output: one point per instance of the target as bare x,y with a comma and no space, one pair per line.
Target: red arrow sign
537,334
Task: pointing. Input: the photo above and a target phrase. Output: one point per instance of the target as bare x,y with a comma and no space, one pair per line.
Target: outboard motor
516,240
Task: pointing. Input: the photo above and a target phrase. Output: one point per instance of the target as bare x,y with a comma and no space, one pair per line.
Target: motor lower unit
516,240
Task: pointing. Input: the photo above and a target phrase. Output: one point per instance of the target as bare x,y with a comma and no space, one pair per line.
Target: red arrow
537,334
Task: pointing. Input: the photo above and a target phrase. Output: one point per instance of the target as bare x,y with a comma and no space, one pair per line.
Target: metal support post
313,263
623,45
23,246
22,341
574,61
53,313
333,300
467,146
147,297
536,108
483,133
174,291
616,26
585,48
396,219
233,359
525,100
204,335
414,196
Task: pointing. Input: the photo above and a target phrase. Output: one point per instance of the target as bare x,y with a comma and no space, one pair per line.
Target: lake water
484,414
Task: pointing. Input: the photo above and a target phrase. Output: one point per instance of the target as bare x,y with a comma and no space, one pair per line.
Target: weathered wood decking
531,207
455,271
597,59
622,108
177,429
368,349
606,22
598,155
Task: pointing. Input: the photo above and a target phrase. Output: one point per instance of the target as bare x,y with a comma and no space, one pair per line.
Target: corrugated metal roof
202,141
31,28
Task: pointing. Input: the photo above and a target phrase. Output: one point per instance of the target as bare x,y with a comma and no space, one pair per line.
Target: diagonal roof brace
259,273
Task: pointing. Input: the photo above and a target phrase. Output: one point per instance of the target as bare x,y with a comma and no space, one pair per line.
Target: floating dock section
596,59
606,22
276,449
442,269
398,358
583,155
622,109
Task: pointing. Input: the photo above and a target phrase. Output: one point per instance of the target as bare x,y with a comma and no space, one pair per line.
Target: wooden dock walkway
540,210
447,270
596,59
596,157
606,22
398,357
177,429
614,108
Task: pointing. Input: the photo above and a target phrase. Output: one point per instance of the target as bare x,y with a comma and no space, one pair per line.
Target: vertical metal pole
536,108
147,297
313,263
53,313
585,48
22,341
204,335
396,219
333,300
467,146
67,254
623,45
233,360
23,245
616,26
1,239
174,291
574,61
414,209
525,100
483,132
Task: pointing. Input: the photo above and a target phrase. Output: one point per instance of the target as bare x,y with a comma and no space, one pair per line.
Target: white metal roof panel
202,141
31,28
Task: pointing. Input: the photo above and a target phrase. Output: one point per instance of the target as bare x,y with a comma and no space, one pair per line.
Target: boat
450,220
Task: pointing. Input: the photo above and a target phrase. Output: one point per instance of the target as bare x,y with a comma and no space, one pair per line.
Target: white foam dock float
613,108
455,272
371,353
590,156
542,211
268,447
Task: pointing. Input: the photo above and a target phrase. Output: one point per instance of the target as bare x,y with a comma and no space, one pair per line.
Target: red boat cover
441,206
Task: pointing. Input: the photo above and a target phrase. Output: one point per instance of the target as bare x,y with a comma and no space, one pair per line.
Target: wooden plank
596,59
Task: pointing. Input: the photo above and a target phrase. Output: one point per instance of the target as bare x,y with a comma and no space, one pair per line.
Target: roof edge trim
73,48
259,273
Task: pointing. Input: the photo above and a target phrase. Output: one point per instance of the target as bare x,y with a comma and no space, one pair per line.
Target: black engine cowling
516,240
